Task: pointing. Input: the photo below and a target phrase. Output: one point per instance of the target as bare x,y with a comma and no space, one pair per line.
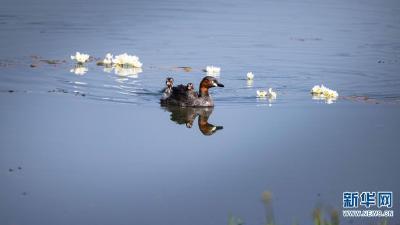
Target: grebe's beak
218,128
216,83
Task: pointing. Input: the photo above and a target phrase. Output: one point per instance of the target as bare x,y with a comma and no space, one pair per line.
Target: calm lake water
98,148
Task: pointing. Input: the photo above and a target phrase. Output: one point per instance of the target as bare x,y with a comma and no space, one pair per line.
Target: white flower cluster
250,76
108,60
324,92
125,60
270,94
261,93
80,57
123,65
212,70
122,61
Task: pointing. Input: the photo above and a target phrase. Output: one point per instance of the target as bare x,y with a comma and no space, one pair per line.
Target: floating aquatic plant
270,94
250,76
212,70
320,92
232,220
80,58
187,69
125,60
324,91
123,65
108,60
261,93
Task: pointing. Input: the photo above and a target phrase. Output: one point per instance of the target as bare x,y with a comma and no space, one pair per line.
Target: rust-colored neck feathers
204,86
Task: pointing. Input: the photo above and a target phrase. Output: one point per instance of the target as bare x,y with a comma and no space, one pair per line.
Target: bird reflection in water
187,115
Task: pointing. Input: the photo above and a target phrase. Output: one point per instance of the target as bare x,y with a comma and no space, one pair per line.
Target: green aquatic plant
232,220
321,215
384,222
185,68
51,61
266,198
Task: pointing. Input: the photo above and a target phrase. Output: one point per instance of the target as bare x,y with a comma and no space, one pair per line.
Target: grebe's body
185,96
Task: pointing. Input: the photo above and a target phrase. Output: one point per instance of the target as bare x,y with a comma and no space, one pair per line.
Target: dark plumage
185,96
168,89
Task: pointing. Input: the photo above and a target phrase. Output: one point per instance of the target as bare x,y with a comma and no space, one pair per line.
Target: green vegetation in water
234,220
320,216
52,61
185,68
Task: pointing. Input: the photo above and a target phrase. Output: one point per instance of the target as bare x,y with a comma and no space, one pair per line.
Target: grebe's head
190,86
206,83
209,82
169,82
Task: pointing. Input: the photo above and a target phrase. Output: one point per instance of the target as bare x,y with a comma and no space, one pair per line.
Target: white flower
79,70
271,93
108,59
330,93
322,90
213,70
250,76
80,57
324,93
126,60
109,56
316,90
261,93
